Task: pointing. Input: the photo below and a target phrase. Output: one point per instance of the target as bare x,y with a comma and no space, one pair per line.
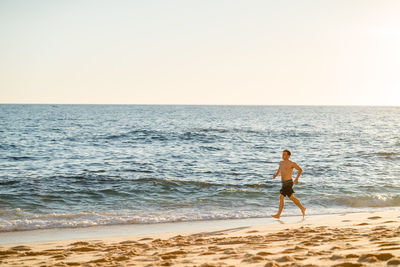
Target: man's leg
297,202
281,204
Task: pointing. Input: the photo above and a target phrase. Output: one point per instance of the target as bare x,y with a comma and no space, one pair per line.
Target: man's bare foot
304,212
276,216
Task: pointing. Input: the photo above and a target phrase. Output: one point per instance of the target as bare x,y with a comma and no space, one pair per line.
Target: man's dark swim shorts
287,189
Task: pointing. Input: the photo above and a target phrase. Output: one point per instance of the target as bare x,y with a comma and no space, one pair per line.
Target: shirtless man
286,170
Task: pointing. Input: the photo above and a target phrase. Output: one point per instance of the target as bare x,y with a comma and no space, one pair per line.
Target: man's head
286,154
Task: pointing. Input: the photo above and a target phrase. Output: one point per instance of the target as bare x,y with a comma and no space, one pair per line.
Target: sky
308,52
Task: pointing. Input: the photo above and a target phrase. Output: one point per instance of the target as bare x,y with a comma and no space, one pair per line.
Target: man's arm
299,171
277,172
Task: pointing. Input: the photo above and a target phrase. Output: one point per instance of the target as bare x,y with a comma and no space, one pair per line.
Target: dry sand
357,239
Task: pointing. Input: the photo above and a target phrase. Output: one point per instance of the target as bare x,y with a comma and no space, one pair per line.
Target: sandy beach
353,239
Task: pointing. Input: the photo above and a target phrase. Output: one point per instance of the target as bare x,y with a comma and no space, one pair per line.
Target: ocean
67,166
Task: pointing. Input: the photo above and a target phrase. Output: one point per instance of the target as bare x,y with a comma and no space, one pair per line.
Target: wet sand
355,239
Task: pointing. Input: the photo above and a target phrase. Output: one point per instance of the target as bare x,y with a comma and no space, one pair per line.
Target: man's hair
287,151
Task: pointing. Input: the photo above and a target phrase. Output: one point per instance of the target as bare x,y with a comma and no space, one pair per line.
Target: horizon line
180,104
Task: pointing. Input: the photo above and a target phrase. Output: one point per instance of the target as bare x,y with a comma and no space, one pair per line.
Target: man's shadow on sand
219,232
299,221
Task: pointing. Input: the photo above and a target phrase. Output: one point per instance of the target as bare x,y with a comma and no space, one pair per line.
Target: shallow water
83,165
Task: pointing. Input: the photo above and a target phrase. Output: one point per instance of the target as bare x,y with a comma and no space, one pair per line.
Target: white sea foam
87,219
106,218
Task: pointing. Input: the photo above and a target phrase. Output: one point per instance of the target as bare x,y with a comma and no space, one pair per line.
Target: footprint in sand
173,254
7,252
121,258
374,218
393,263
214,248
285,259
35,253
59,257
390,248
375,257
224,257
253,259
69,263
230,251
208,253
387,244
293,250
368,258
348,264
21,248
165,263
83,249
351,256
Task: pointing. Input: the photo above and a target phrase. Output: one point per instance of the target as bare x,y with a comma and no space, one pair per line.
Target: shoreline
118,230
348,239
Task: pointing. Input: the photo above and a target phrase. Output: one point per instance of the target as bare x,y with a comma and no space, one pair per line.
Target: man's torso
286,167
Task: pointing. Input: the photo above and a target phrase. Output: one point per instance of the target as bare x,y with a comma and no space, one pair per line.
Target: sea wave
8,182
139,134
19,158
201,184
203,135
376,201
144,135
87,219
